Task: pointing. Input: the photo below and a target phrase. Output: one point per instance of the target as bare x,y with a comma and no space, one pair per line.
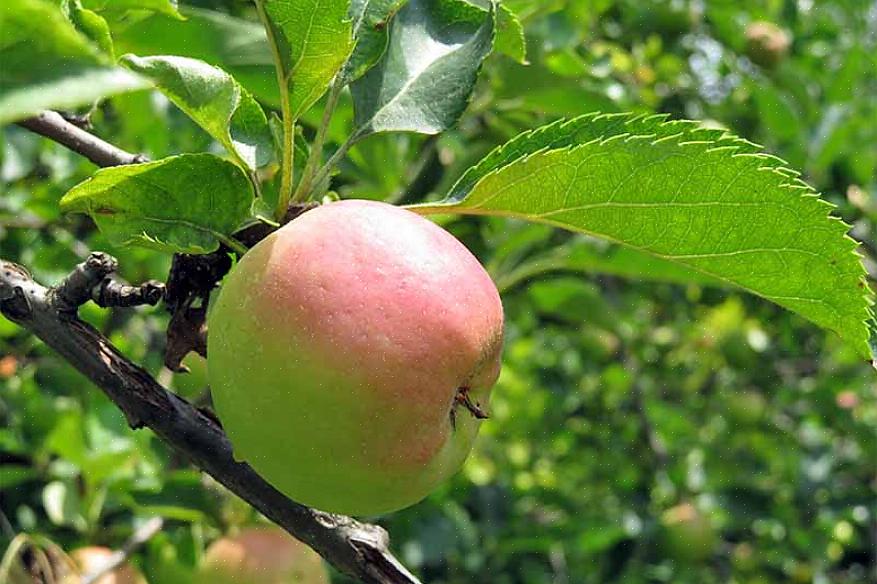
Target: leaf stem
286,167
232,243
334,159
303,191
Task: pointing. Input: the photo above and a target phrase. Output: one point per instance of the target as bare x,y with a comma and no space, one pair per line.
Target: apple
351,355
261,555
90,559
766,43
687,534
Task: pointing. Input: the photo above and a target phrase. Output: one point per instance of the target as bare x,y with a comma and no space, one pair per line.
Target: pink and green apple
351,354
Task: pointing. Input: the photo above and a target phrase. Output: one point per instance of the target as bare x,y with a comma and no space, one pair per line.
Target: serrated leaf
426,76
701,198
314,40
187,203
47,64
166,7
91,24
510,39
215,101
371,33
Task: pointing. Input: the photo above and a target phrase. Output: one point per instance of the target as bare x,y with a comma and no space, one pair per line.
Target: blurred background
641,431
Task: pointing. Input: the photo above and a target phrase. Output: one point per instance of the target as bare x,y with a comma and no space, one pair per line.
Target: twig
143,534
53,125
358,549
113,292
94,279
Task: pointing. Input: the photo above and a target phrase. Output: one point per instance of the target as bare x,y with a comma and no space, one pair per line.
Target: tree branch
52,125
358,549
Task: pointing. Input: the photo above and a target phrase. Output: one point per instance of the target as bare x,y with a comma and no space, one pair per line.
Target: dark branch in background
358,549
53,125
355,548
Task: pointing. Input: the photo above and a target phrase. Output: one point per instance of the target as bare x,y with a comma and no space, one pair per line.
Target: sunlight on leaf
425,79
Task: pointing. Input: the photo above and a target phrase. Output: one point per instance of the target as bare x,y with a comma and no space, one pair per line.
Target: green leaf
426,76
188,203
216,102
371,32
48,64
314,39
701,198
510,39
91,24
166,7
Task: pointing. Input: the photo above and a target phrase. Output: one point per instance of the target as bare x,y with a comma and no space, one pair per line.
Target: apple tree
220,166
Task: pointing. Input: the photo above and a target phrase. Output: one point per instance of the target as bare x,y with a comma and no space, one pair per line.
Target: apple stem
463,399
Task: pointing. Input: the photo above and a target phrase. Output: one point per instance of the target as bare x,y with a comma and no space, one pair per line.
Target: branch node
76,289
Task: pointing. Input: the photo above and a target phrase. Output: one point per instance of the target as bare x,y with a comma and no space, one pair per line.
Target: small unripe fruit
350,353
93,558
687,534
262,555
766,43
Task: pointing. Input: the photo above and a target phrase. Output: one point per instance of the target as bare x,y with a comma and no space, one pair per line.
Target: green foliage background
619,400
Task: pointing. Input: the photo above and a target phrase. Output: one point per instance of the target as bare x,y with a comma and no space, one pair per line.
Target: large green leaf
217,102
188,203
45,63
701,198
371,33
425,78
314,39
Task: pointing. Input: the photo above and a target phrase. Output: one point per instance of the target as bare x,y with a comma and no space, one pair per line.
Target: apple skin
261,555
91,558
336,349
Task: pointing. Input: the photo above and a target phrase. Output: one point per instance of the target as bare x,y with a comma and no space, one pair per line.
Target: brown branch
53,125
358,549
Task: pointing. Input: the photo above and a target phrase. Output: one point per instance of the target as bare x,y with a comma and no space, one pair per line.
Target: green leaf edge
242,98
74,202
597,127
